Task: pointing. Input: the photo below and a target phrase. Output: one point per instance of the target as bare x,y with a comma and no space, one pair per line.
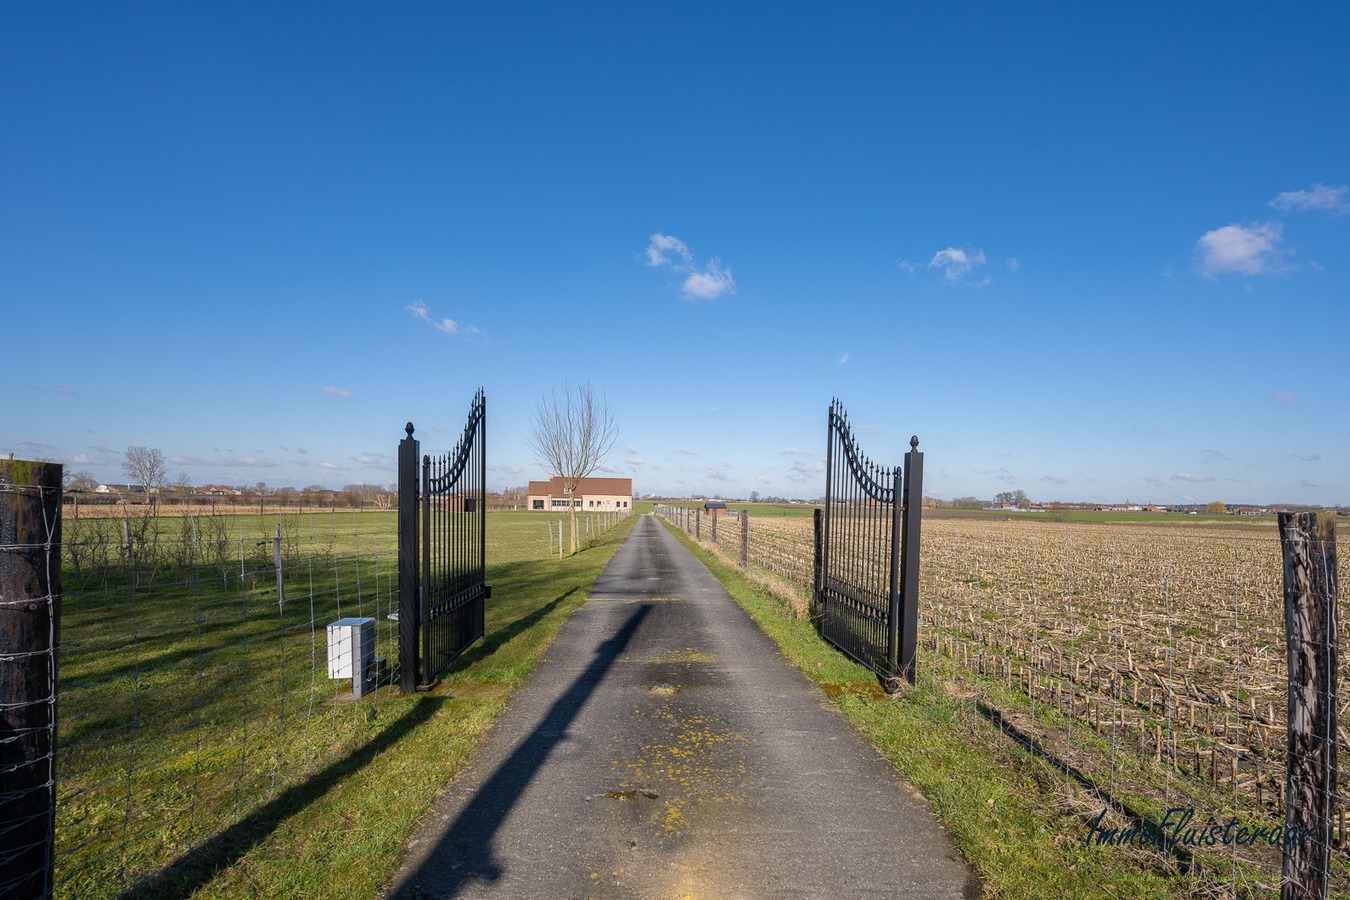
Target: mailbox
351,647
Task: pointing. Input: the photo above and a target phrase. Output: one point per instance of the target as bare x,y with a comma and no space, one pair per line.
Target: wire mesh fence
191,692
1145,663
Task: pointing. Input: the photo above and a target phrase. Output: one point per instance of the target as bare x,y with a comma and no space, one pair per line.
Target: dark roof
714,504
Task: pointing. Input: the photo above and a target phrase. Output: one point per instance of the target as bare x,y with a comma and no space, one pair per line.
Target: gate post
408,606
30,619
909,563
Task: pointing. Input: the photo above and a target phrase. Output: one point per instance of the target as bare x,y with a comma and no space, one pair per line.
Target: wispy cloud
1240,250
1280,398
1214,456
843,360
373,459
716,475
1191,477
1318,197
1055,479
1306,457
701,283
232,462
957,265
449,326
333,467
336,391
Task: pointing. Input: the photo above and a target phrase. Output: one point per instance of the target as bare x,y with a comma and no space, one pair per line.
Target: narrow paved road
665,749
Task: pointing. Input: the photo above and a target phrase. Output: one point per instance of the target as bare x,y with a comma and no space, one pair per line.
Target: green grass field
202,748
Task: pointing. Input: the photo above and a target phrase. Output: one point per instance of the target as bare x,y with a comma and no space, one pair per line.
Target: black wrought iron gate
866,597
442,587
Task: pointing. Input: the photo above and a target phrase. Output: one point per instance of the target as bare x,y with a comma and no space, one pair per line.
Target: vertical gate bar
424,601
817,526
894,588
824,542
482,485
909,566
407,563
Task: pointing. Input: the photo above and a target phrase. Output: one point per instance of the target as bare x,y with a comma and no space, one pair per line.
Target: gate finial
914,442
409,429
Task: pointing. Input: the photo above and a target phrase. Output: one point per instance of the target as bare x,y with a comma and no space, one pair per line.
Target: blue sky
1091,251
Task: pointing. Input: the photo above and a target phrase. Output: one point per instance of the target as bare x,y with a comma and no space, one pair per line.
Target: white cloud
1283,399
1330,199
662,244
333,466
1055,479
1240,250
707,283
957,264
711,283
336,392
715,475
1014,264
372,459
1191,477
449,326
843,360
239,462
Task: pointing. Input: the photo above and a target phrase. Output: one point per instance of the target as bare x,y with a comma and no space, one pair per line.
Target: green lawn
204,751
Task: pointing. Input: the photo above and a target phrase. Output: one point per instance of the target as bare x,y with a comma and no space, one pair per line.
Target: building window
537,504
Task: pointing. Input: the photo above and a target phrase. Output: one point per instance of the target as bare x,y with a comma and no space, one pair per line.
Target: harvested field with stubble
1143,661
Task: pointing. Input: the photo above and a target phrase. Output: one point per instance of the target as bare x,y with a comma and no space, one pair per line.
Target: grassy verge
1012,816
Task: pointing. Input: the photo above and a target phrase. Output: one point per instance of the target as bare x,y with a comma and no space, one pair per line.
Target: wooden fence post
745,539
1310,590
30,617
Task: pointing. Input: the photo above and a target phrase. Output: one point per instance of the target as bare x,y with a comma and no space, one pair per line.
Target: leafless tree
147,467
571,433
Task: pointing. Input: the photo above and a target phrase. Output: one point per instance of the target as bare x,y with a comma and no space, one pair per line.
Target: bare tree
146,466
571,432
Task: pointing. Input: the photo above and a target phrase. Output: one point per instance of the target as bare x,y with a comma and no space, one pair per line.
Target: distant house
216,490
120,489
591,495
715,508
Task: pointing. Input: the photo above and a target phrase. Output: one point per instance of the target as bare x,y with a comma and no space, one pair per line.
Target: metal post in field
1310,594
30,617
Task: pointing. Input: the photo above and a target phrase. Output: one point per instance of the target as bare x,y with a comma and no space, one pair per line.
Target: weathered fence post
1310,594
714,526
276,562
698,526
745,539
30,618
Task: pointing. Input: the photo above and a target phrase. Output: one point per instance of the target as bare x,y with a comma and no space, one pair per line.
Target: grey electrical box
351,647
